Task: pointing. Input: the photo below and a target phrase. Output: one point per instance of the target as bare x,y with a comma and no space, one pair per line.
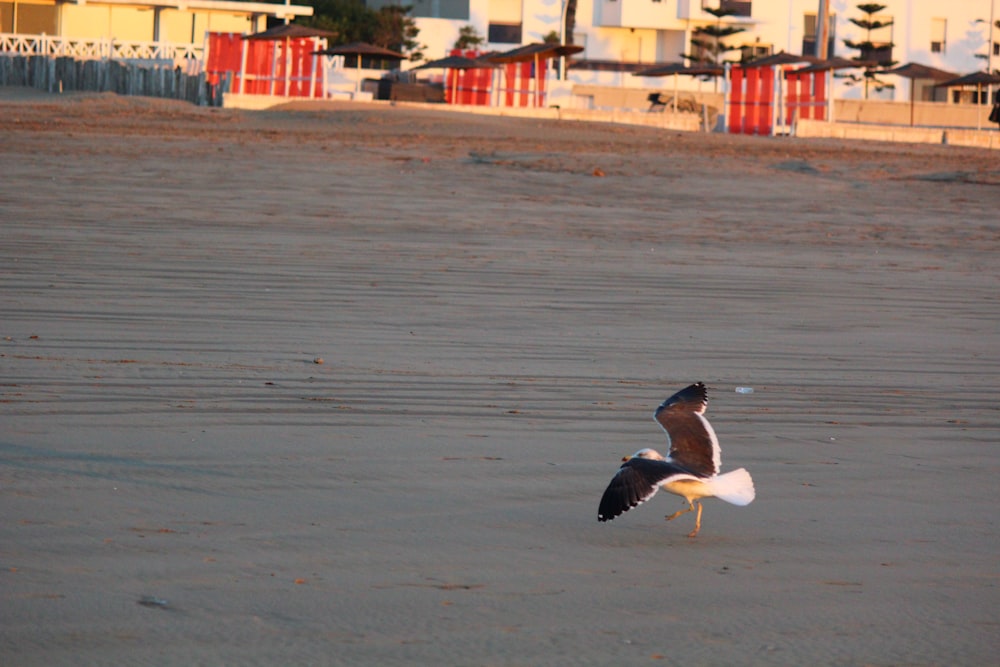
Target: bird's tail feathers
734,487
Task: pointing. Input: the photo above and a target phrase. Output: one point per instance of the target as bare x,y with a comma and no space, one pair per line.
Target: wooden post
244,46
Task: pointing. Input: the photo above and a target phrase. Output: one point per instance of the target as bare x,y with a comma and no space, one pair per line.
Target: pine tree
989,47
708,39
868,48
468,38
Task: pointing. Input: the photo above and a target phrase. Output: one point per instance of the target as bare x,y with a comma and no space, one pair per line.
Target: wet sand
344,387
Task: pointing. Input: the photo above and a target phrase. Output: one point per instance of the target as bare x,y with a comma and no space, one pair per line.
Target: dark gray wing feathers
693,443
635,482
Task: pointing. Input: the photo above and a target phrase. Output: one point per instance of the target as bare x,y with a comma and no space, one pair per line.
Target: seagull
690,469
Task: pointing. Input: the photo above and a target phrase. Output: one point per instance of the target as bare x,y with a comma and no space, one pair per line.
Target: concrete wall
919,135
935,114
613,97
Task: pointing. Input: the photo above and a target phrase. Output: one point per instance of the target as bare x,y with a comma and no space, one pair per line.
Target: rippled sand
345,387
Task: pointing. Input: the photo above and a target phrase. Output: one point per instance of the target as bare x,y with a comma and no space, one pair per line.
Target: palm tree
568,27
570,20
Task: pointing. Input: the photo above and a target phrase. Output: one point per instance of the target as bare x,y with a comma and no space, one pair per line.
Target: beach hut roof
918,71
457,62
974,79
668,69
833,63
780,58
290,31
362,49
529,52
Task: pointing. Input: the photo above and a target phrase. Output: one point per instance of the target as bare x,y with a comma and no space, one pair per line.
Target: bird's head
646,453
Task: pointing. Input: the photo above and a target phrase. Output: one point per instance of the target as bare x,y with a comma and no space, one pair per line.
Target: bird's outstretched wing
636,481
693,443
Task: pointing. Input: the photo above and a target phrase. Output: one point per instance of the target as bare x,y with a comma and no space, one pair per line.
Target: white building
619,36
132,29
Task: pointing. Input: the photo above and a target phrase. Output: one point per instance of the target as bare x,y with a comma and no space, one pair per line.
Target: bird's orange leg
697,523
679,512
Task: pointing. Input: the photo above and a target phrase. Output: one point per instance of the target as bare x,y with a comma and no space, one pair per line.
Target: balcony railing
101,48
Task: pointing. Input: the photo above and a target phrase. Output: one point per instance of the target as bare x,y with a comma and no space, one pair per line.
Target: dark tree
395,29
708,39
390,27
874,55
570,21
989,45
468,38
350,20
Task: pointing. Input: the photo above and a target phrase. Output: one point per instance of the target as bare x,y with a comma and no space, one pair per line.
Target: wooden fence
65,73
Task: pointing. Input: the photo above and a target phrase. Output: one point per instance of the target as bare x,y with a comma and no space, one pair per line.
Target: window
435,9
939,32
809,35
969,97
881,39
809,26
879,53
6,17
504,33
882,35
33,19
738,8
506,19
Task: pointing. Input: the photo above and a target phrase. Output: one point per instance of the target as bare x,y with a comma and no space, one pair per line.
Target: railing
101,48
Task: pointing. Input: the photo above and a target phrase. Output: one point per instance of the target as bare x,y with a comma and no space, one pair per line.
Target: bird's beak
626,458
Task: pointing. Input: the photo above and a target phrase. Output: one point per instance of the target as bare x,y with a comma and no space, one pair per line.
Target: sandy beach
344,385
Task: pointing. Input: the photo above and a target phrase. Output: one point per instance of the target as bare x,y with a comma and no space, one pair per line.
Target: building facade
169,28
623,35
